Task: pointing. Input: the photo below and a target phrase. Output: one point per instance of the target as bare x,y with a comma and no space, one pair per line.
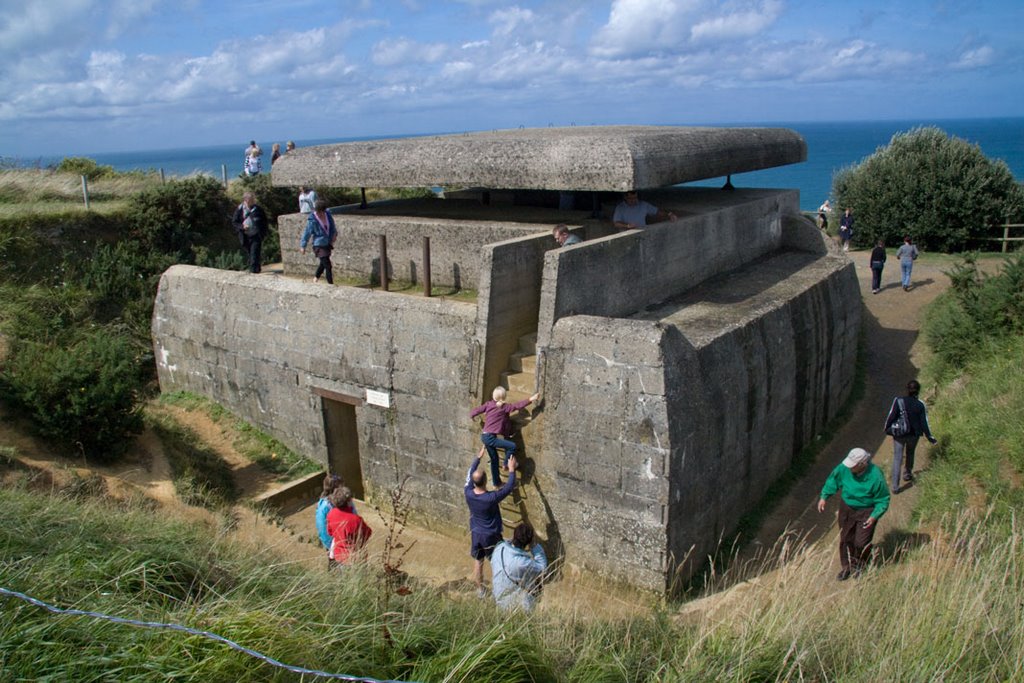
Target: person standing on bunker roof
498,427
485,525
864,499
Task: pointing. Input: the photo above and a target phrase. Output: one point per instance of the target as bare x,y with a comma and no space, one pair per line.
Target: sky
80,76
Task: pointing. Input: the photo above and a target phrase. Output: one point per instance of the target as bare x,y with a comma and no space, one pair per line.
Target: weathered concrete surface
716,231
459,231
610,158
261,346
663,430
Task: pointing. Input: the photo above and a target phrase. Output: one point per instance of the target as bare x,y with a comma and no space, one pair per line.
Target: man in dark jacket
904,445
485,525
250,223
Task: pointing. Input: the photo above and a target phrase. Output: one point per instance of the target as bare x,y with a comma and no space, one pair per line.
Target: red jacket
349,532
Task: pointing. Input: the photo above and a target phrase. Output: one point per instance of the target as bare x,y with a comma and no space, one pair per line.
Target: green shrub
82,395
977,310
174,217
943,191
85,166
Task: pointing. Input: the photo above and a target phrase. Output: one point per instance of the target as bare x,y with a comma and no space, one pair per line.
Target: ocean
831,146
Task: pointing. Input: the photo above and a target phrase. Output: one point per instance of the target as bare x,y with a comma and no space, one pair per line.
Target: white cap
855,457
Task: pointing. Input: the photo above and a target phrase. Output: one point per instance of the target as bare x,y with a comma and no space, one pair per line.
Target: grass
264,450
46,191
132,562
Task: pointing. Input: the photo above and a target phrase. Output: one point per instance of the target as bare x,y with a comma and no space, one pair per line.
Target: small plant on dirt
201,477
395,519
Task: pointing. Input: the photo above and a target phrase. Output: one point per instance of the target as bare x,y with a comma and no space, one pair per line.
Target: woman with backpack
320,227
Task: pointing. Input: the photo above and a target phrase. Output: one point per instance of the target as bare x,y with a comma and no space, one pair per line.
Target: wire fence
196,632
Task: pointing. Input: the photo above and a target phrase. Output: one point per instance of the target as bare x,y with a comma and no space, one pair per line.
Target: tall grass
946,609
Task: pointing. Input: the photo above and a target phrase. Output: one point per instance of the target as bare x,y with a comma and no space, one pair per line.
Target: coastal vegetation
941,190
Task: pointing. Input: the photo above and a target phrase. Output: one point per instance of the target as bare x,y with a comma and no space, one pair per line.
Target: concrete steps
520,379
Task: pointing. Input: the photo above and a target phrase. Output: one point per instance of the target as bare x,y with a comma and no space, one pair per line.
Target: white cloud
403,50
740,24
508,21
975,58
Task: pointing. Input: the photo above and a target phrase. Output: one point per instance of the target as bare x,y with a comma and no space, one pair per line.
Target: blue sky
81,76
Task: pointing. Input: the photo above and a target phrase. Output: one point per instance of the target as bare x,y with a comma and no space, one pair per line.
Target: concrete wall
618,275
455,245
664,429
508,301
607,447
261,345
756,391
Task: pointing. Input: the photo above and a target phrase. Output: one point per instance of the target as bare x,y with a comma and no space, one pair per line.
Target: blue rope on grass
195,632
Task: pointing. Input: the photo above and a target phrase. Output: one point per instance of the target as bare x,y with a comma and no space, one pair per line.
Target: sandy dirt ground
440,561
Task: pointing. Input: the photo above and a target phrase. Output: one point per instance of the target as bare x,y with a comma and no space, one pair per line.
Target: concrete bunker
682,366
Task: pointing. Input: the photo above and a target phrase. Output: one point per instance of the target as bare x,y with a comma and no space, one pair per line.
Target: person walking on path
907,254
846,229
498,427
906,423
877,263
320,227
349,533
250,223
485,527
864,498
516,570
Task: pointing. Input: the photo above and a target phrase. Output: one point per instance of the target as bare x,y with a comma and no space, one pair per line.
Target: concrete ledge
293,495
598,158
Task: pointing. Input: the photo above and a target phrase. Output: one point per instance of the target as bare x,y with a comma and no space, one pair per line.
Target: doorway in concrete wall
342,438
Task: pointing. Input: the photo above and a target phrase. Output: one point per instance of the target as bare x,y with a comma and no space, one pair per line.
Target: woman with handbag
906,423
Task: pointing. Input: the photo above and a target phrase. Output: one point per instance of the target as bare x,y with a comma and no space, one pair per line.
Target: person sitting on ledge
633,212
564,237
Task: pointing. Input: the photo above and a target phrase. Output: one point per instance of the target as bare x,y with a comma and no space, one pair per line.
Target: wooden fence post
85,191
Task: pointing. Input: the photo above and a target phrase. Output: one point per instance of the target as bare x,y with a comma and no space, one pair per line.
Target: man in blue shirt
485,525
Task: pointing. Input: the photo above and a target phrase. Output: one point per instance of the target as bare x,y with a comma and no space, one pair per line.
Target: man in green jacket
864,498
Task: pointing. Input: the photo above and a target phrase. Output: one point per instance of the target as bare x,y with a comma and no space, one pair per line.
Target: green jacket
867,489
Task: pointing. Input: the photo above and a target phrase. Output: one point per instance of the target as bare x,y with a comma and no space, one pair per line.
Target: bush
943,191
174,217
85,166
976,310
81,395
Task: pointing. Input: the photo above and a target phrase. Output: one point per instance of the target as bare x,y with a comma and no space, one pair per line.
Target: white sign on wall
378,398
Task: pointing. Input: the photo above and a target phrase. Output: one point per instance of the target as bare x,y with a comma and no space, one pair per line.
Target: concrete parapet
716,231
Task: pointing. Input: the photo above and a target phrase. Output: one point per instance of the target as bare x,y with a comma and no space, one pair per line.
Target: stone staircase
520,381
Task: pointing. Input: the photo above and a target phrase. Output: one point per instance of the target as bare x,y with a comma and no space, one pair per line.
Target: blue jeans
492,442
902,449
905,268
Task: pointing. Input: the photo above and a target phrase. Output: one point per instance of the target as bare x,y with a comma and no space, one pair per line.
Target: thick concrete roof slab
597,158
